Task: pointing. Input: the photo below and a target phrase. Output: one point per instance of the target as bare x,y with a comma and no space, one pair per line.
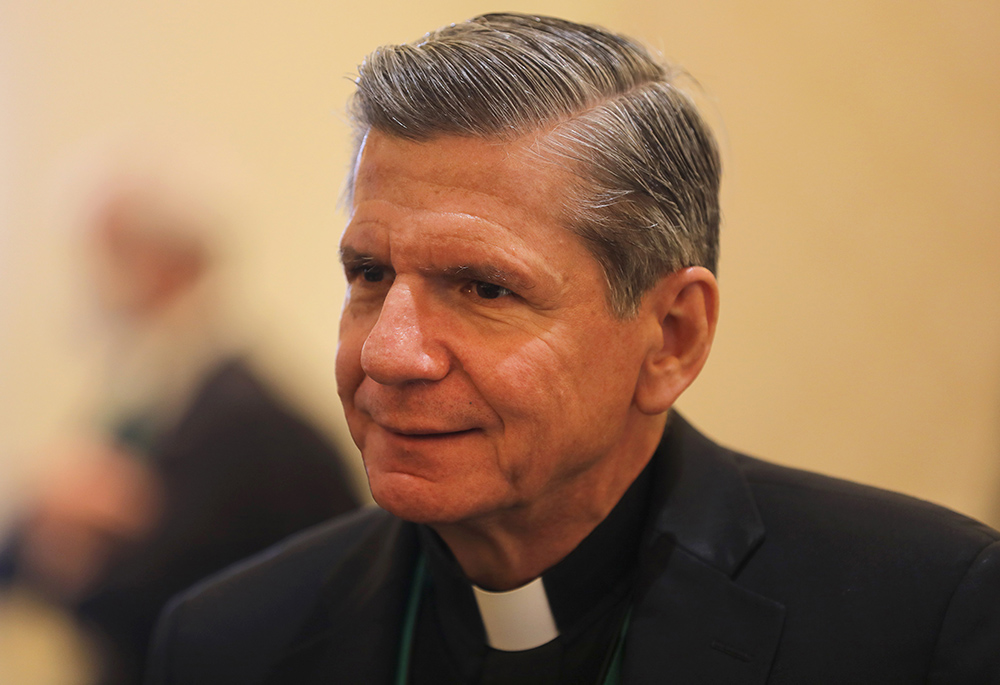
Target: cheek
530,385
348,364
349,378
555,412
585,379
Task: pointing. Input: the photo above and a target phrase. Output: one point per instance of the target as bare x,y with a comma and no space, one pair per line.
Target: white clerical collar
517,619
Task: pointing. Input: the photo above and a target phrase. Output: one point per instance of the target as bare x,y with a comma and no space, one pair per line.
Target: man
530,260
196,464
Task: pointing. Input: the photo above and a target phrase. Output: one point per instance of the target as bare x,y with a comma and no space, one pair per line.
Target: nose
403,345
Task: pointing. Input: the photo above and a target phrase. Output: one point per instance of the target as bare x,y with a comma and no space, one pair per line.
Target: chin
415,499
409,497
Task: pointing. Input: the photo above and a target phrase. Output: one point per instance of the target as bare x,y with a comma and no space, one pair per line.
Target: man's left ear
682,310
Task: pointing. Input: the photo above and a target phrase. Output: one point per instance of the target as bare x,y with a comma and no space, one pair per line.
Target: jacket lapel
353,635
692,622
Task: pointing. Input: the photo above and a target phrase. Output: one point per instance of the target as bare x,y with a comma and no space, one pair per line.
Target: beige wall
861,268
861,253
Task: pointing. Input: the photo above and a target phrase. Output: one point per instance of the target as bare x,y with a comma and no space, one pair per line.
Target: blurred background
860,331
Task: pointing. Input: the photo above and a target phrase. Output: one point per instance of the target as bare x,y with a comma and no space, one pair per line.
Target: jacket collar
701,499
692,621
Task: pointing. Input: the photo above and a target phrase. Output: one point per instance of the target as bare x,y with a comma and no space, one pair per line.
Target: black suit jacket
750,573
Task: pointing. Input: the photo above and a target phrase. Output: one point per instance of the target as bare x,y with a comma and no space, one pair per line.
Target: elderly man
530,261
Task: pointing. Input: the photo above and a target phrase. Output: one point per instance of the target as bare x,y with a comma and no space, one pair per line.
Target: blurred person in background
197,463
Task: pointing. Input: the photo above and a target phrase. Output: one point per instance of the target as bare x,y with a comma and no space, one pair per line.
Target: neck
513,547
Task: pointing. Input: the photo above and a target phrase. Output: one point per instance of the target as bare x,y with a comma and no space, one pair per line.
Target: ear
682,310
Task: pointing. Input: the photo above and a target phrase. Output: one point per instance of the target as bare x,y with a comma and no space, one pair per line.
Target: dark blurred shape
198,462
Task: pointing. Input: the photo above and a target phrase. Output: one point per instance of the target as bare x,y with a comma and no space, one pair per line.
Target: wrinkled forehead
461,173
452,158
462,205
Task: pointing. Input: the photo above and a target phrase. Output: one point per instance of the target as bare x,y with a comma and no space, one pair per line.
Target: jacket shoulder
238,621
904,585
308,556
790,497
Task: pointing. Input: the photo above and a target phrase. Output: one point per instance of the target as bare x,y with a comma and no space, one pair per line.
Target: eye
368,275
490,291
372,274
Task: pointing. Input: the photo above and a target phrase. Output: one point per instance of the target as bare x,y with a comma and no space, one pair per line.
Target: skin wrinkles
473,237
509,422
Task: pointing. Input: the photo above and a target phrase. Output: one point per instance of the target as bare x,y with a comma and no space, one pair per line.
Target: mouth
426,434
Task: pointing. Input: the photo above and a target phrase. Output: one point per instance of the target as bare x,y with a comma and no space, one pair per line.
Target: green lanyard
613,676
410,622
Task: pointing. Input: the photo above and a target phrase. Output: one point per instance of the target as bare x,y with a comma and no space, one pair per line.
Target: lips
423,432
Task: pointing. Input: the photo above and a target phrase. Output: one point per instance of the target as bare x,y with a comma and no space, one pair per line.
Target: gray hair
646,203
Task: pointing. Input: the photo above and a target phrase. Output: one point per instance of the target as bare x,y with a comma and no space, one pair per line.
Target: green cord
614,675
410,622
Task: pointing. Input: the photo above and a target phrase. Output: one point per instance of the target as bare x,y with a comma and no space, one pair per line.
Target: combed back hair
645,200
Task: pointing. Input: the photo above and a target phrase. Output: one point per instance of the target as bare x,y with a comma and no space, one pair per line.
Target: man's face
479,366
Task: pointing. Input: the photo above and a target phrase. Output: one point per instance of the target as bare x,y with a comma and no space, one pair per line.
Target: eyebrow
350,257
488,274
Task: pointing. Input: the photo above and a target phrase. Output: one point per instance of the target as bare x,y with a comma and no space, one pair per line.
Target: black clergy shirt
589,593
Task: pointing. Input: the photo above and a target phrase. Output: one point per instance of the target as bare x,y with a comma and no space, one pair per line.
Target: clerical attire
588,594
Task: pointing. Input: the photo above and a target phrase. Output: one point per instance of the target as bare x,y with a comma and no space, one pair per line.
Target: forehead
463,193
461,168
